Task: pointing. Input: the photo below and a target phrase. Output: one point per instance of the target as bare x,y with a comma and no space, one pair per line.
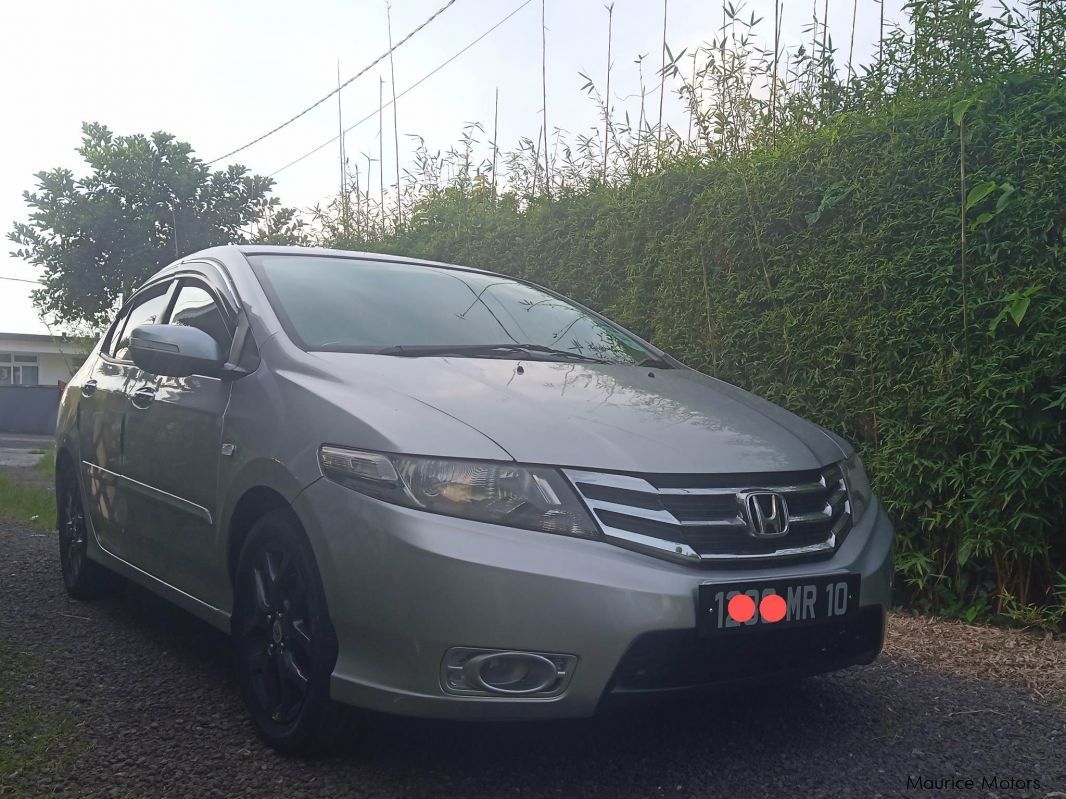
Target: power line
21,280
359,74
421,80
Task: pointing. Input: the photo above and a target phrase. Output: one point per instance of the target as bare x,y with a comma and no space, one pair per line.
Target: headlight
859,492
530,497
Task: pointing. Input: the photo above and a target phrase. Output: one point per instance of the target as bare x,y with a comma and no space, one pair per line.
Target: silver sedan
438,491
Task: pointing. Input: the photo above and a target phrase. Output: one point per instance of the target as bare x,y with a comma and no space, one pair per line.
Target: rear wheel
83,578
285,645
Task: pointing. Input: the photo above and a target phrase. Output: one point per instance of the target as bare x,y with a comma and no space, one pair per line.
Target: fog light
501,672
510,671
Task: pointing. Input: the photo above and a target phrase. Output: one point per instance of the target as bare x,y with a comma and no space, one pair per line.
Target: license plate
731,607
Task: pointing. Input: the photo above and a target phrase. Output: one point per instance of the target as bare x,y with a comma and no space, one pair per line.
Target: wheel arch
64,461
65,469
261,487
254,503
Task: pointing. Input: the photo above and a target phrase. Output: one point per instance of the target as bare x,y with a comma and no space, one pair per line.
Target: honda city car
437,491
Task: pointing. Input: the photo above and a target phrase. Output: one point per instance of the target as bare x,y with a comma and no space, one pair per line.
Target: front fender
256,473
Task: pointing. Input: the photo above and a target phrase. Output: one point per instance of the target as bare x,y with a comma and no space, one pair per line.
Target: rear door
173,441
101,422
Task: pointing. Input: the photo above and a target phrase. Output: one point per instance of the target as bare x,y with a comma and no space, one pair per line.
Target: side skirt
216,617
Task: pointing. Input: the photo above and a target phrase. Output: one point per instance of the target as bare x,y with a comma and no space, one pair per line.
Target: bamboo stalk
773,83
851,43
607,98
693,102
495,139
368,222
962,248
662,88
640,120
881,37
358,202
345,221
544,93
395,122
381,150
814,29
825,50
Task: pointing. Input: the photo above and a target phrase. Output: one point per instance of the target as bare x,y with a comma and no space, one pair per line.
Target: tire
83,578
283,640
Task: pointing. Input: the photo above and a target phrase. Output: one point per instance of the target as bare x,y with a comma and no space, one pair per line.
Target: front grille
695,517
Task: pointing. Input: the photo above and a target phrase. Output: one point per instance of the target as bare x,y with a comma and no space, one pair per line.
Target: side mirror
176,351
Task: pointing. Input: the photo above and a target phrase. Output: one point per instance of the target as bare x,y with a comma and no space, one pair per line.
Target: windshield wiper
573,356
655,361
528,351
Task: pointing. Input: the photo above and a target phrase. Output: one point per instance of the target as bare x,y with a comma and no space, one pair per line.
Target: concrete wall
51,363
28,409
52,368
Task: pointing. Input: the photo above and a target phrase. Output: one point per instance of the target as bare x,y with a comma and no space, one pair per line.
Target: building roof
41,338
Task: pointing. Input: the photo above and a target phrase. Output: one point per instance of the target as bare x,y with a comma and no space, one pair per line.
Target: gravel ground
132,698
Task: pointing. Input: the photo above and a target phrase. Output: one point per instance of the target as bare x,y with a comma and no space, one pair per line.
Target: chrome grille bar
706,522
716,491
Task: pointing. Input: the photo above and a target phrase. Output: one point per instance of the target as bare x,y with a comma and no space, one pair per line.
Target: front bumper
404,586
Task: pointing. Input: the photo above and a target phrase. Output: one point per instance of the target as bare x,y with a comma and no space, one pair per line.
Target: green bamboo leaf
965,551
1018,308
979,192
958,111
1004,198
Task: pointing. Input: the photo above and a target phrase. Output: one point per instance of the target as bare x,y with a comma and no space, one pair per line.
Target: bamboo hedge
895,276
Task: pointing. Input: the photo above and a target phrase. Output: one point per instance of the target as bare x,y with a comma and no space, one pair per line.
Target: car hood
595,416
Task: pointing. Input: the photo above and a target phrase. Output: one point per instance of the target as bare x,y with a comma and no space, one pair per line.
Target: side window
115,335
148,311
195,307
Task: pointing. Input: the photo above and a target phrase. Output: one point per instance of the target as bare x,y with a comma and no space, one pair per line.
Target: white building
31,359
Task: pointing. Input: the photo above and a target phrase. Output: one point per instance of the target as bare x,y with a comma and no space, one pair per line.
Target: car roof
223,257
273,249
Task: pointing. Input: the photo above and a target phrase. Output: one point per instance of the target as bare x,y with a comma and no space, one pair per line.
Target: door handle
88,388
142,397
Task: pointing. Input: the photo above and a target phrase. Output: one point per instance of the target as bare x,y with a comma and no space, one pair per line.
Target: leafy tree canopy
147,201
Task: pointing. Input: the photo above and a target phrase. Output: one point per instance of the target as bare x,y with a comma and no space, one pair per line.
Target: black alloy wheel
82,577
284,642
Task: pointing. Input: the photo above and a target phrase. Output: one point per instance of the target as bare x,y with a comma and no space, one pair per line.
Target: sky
219,74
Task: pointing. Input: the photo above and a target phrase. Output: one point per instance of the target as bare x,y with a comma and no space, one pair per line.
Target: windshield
351,305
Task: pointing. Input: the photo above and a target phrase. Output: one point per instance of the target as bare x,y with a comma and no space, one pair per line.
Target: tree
147,201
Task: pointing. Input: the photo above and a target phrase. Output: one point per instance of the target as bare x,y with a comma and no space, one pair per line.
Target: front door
173,441
101,424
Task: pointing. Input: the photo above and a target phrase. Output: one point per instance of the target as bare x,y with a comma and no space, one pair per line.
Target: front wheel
284,642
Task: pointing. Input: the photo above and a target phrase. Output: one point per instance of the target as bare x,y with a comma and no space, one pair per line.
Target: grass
35,507
31,742
47,464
